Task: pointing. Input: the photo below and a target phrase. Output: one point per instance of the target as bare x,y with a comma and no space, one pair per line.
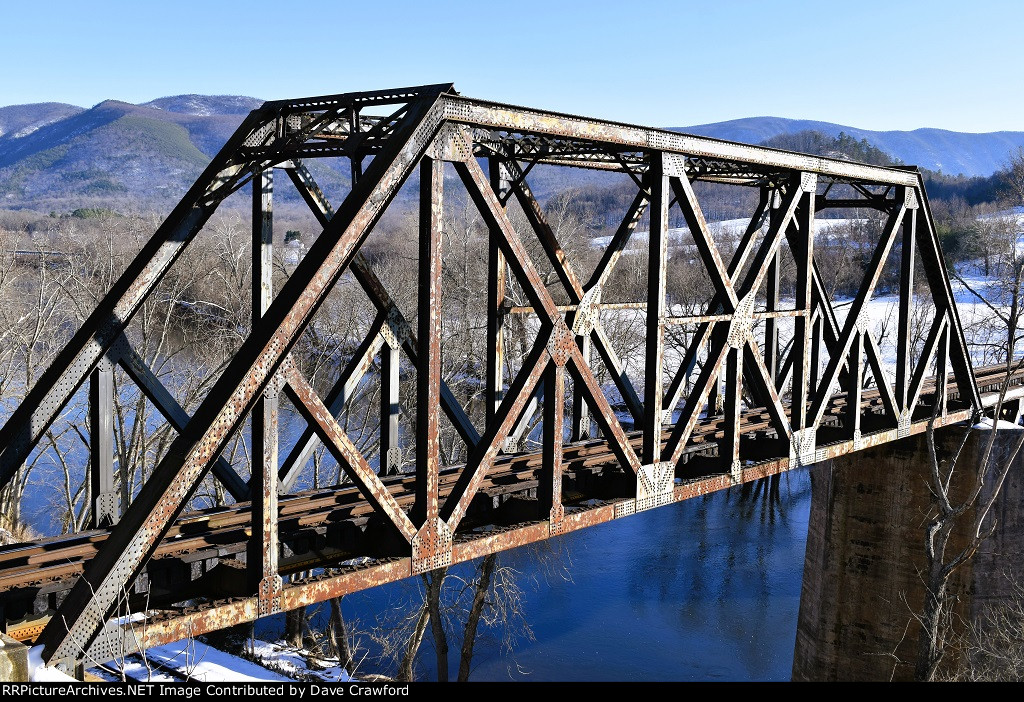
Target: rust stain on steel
428,376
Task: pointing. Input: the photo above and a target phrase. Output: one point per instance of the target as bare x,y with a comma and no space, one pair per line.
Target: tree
981,484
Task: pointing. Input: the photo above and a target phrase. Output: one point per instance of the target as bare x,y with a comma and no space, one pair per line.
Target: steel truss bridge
770,379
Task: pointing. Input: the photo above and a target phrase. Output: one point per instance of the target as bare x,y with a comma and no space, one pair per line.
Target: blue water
703,590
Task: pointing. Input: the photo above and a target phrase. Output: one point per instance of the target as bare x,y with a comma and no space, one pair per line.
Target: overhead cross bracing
770,373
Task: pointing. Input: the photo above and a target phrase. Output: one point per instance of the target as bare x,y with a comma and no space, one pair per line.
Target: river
703,590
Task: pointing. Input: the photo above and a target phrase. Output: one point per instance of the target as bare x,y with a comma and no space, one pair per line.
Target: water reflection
706,589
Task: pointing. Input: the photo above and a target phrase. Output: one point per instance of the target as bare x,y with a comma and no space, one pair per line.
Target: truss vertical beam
262,557
851,412
771,328
654,353
549,490
428,376
903,349
390,409
942,358
801,323
103,496
729,449
495,301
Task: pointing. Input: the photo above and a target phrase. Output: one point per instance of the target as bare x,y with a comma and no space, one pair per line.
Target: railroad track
222,532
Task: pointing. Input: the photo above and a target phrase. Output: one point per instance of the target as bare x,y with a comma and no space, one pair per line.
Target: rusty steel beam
801,387
264,545
903,343
103,499
654,351
496,300
521,119
428,376
82,614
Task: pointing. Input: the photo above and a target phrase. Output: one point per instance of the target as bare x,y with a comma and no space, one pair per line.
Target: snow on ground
192,660
296,663
187,660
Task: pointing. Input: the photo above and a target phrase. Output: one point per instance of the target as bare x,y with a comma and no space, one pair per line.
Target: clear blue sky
887,64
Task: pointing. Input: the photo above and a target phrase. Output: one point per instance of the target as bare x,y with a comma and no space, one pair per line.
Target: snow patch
187,660
40,672
296,663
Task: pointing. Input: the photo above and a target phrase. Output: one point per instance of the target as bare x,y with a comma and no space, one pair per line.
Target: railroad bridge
767,374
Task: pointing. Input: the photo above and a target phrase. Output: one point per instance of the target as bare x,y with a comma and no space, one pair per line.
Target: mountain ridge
56,155
942,150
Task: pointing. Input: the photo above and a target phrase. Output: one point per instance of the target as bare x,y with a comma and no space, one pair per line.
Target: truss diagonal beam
141,374
348,456
938,280
720,278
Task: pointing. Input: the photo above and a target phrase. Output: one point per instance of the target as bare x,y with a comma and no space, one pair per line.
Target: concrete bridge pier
13,660
865,550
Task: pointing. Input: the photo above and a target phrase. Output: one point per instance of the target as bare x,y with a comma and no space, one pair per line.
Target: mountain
21,120
114,151
952,153
204,105
60,157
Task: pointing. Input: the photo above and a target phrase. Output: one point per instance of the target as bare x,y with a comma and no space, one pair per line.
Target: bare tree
979,484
